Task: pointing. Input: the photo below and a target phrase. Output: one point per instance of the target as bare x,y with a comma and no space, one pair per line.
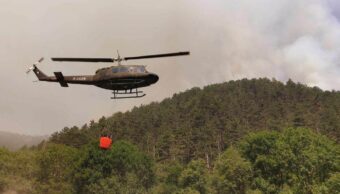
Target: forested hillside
201,123
247,136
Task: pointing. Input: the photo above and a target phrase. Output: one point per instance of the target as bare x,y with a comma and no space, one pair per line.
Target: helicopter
123,80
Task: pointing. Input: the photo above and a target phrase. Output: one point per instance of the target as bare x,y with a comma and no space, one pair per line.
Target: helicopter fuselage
123,77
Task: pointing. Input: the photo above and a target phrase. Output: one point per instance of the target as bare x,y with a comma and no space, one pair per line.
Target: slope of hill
201,123
199,141
13,141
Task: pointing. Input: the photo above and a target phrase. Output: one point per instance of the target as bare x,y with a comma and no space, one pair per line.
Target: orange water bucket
105,143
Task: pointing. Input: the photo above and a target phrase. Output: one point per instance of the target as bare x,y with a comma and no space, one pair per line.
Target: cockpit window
115,70
119,69
131,69
123,69
138,69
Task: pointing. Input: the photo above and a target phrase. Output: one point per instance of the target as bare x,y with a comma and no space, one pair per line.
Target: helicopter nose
153,78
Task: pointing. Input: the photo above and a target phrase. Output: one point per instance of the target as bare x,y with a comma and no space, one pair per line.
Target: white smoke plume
264,38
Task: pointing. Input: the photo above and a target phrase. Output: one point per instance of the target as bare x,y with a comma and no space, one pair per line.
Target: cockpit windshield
140,69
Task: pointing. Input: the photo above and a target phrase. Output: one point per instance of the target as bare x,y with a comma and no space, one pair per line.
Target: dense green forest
246,136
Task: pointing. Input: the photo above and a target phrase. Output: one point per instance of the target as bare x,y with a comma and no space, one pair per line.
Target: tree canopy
201,123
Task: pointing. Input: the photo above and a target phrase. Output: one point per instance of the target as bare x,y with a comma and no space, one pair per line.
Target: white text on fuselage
79,78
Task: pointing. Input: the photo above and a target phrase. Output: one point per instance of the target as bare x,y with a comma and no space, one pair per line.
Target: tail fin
38,73
41,76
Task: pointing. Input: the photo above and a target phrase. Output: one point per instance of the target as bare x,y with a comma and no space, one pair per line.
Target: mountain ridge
14,141
205,121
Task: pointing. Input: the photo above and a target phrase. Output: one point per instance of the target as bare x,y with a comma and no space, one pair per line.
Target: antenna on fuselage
119,59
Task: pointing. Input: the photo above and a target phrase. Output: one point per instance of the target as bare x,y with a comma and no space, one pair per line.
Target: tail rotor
34,65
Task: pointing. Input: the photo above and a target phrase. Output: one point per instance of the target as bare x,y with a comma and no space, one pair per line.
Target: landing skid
132,93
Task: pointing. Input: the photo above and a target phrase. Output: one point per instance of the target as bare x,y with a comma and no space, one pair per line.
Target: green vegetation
232,173
247,136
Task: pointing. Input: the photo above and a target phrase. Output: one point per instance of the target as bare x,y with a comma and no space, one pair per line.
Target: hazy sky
228,39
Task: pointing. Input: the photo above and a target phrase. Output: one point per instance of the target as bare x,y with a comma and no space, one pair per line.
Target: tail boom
63,80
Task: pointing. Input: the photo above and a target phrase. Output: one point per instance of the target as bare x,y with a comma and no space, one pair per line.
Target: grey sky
228,40
335,6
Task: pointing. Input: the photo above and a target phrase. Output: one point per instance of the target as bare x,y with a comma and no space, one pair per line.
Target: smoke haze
228,40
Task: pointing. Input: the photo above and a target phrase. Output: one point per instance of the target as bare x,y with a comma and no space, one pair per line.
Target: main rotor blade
157,56
111,60
105,60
